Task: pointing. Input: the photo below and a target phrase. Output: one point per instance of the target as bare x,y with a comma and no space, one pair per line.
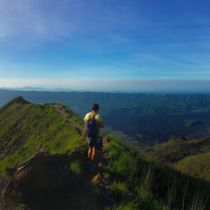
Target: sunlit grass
27,129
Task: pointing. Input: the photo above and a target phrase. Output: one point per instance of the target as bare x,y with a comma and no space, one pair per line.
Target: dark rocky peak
20,100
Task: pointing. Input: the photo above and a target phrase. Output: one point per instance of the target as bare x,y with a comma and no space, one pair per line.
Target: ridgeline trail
44,166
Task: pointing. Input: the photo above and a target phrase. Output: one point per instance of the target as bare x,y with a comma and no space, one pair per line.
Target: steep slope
191,157
26,129
43,159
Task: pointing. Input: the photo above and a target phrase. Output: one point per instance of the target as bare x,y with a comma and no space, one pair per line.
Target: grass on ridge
27,129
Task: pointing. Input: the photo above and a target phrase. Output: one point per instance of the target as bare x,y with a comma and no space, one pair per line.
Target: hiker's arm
85,123
85,126
101,124
100,121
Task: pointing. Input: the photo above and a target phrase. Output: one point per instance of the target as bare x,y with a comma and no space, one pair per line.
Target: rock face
8,195
5,186
42,180
20,100
43,172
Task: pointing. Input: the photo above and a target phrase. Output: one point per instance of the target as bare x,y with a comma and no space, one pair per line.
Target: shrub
114,149
119,190
75,167
198,203
148,202
126,206
122,162
146,180
123,165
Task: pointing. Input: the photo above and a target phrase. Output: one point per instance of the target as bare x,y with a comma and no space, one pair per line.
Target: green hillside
43,166
191,157
26,129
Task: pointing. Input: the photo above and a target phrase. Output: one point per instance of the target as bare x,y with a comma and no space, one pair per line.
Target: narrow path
100,181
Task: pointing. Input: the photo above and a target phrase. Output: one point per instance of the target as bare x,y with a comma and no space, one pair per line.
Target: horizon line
68,90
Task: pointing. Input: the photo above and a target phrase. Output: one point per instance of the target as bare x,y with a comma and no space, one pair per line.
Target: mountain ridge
47,141
146,116
24,124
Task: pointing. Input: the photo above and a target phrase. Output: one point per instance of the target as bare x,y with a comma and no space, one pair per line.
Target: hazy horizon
105,45
158,87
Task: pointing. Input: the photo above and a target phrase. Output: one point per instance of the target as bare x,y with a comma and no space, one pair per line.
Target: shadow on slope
52,182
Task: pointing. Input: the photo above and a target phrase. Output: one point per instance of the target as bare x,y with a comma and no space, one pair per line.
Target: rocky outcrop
20,100
42,172
8,194
40,180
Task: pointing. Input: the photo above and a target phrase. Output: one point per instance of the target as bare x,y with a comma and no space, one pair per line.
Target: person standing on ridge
92,123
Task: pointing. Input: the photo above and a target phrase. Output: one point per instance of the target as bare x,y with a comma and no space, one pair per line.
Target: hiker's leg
90,152
93,153
89,142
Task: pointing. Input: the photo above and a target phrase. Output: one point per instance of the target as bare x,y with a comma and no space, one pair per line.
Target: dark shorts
92,141
96,142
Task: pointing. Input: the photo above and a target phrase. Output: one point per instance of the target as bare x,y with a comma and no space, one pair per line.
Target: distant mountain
148,119
190,157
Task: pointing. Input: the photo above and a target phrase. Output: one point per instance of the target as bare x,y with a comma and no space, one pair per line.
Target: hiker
92,123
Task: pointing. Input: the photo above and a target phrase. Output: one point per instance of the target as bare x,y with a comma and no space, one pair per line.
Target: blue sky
105,44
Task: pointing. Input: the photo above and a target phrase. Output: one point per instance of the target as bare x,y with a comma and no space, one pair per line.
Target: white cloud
28,19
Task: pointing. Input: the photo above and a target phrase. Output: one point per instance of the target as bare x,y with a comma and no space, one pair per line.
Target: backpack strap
93,116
